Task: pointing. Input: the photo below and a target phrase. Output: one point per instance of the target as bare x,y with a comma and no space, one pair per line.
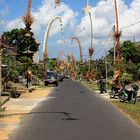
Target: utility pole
106,67
114,47
134,38
117,36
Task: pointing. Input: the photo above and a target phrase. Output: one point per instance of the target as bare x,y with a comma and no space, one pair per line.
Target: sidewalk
16,109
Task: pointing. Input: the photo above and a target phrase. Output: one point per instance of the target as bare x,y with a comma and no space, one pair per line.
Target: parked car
66,76
51,78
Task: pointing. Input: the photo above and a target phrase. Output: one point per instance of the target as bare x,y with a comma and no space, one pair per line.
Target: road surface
73,112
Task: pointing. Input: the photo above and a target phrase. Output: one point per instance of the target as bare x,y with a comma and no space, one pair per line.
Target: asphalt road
73,112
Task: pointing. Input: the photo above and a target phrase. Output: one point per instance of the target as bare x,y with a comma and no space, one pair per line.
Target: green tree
18,66
83,69
18,37
101,67
132,69
129,50
51,63
127,78
110,72
137,57
138,67
12,72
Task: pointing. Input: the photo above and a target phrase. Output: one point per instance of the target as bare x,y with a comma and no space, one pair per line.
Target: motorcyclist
121,88
115,82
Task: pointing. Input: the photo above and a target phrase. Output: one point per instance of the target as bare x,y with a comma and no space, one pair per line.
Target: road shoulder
17,109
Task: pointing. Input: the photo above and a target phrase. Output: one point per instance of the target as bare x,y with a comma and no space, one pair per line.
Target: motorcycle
114,91
130,95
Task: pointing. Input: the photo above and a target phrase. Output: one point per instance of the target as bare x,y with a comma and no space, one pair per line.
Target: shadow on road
67,115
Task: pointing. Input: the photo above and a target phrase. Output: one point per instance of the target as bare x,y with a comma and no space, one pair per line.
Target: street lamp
28,54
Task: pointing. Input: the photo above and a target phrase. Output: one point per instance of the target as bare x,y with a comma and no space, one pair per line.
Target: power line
104,42
130,25
132,34
110,33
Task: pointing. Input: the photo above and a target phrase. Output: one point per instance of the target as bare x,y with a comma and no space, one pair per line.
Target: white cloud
16,23
44,14
103,18
2,22
61,42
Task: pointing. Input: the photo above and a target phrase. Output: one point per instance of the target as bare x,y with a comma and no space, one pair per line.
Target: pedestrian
101,84
81,76
88,76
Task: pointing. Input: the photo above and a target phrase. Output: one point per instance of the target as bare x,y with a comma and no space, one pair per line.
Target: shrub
132,69
110,72
127,78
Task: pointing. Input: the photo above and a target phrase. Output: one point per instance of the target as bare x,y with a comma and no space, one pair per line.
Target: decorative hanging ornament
87,9
84,23
57,2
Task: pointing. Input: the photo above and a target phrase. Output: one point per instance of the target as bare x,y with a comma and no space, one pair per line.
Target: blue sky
18,8
71,12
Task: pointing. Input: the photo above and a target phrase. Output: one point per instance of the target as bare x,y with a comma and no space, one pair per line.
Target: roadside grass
42,85
91,85
132,110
